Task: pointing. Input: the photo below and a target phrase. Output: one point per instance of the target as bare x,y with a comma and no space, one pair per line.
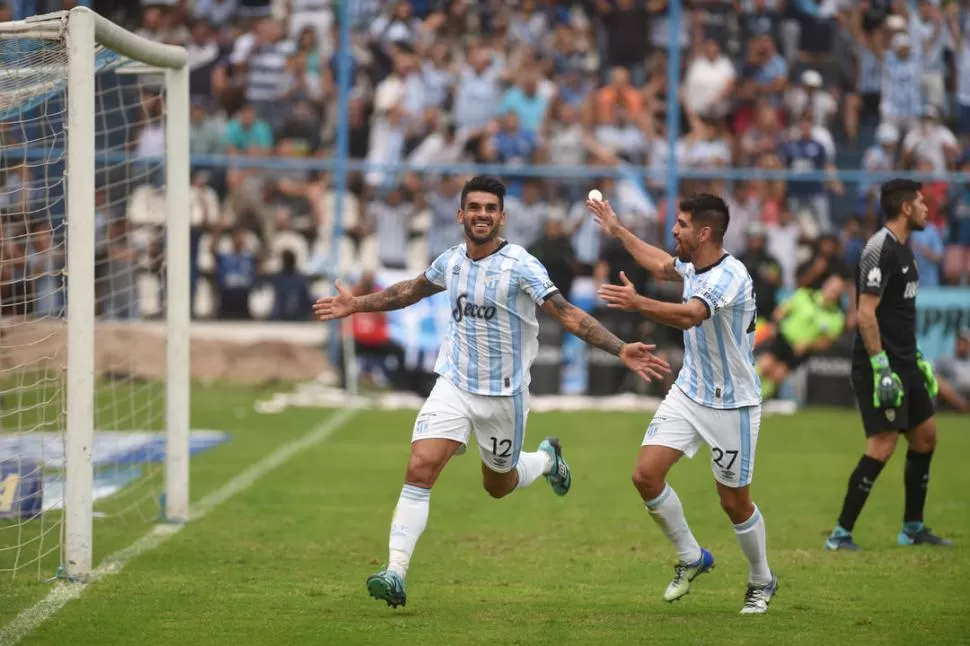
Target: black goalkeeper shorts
917,406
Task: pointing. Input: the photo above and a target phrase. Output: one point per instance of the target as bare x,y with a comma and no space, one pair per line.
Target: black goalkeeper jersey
888,269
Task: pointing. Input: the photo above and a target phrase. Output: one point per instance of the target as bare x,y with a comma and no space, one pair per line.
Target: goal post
87,44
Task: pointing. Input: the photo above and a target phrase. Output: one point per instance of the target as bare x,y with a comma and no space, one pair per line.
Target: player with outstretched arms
894,386
483,368
716,399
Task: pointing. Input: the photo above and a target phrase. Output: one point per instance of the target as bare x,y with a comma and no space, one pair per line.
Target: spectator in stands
808,95
927,246
709,82
392,219
764,269
444,198
806,152
291,291
261,57
218,12
478,91
619,93
783,238
932,141
764,74
386,147
526,215
880,157
45,262
864,100
525,100
236,273
248,135
206,135
123,300
373,345
958,19
554,250
624,24
853,241
953,374
766,134
827,261
902,96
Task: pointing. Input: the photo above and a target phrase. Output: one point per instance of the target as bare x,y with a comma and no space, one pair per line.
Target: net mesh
129,266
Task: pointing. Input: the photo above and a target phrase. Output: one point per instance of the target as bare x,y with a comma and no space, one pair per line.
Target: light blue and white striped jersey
493,334
718,369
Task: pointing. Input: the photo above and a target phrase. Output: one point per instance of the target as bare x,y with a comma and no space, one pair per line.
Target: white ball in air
595,195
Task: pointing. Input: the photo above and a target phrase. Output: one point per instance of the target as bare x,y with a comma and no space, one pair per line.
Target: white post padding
178,295
79,477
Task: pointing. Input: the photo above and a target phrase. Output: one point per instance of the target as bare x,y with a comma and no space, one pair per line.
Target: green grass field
284,561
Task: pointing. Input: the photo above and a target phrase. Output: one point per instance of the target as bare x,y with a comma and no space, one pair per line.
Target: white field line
28,620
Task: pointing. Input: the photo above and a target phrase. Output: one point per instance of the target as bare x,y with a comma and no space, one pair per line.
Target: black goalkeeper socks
860,484
917,477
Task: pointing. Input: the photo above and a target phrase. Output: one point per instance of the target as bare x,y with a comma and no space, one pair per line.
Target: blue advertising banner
941,312
21,489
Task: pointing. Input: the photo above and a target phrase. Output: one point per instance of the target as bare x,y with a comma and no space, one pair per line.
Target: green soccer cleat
388,586
559,477
684,573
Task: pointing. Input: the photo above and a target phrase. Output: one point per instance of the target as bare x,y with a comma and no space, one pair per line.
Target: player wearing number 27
716,398
483,368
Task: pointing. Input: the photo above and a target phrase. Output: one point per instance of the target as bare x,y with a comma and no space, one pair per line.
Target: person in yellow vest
810,321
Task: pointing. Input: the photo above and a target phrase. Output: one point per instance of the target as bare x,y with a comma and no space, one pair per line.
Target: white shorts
682,424
498,422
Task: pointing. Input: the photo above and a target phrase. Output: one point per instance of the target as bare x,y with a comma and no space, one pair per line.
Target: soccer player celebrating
810,321
893,384
716,398
483,368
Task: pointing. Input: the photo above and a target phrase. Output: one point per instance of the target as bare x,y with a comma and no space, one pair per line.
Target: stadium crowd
765,84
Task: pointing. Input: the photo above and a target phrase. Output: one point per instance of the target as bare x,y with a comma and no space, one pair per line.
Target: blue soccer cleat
920,534
388,586
684,573
757,597
559,477
841,539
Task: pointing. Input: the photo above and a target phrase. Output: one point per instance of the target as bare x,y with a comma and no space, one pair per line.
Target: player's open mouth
482,227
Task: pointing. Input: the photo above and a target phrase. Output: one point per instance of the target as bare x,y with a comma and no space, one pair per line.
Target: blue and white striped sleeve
436,272
534,279
718,288
683,268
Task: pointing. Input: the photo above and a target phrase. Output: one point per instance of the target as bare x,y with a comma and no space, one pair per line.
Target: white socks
668,513
531,466
751,537
410,519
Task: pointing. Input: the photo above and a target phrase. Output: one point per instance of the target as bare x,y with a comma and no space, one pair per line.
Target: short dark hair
484,184
708,210
896,192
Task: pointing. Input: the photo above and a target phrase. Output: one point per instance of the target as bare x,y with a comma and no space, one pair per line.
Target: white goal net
84,306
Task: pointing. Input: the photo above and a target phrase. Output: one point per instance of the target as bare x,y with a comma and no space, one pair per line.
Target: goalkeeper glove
887,391
932,386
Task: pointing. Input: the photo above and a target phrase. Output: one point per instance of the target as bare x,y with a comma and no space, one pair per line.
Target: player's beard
683,252
916,225
478,237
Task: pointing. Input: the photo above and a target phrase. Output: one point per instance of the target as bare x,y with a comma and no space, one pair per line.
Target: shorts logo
421,427
874,277
728,475
499,462
891,414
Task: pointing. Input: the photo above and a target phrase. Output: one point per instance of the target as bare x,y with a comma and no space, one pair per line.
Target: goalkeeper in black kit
893,384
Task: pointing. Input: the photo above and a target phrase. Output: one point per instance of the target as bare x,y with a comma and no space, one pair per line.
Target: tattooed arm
398,295
582,324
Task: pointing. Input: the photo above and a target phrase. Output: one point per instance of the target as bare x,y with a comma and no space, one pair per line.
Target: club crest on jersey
463,309
911,287
874,277
891,414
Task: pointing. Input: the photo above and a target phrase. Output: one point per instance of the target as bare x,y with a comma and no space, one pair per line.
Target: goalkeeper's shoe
919,534
840,539
388,586
560,478
684,573
757,597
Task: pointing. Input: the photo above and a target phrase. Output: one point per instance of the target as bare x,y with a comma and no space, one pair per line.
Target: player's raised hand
639,358
335,307
604,215
623,297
